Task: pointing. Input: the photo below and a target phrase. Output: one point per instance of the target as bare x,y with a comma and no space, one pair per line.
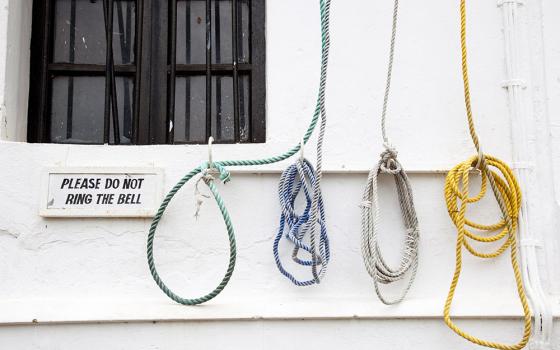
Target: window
147,71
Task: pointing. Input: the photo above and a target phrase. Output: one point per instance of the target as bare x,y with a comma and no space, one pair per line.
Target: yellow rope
508,195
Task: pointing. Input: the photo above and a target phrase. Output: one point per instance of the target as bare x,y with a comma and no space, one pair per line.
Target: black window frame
154,72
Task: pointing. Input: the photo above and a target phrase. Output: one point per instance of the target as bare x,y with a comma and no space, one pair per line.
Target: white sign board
101,192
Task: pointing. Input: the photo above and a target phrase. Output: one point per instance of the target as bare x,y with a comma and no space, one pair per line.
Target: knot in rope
391,149
301,229
389,163
207,168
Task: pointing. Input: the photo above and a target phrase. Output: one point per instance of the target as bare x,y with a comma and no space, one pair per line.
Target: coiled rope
508,195
297,177
207,169
375,264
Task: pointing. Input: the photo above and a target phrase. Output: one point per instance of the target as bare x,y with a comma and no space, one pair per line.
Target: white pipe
529,241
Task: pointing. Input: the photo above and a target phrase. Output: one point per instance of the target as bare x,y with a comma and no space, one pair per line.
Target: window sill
190,156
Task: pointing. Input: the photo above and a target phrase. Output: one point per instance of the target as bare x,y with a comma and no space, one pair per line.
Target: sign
101,192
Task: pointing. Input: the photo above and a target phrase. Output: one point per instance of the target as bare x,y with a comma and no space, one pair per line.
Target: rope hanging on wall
208,170
297,178
508,195
375,264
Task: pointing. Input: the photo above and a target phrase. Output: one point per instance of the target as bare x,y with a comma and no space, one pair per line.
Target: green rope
206,170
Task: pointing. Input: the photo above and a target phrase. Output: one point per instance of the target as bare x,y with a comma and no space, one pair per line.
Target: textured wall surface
269,335
93,271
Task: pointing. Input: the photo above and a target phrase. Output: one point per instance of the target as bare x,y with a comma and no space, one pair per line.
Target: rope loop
300,229
508,196
389,163
208,180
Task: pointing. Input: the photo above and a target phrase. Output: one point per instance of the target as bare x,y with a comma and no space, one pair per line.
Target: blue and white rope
296,228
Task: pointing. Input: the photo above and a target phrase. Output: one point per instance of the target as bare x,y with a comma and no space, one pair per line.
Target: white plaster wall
91,271
265,335
16,82
547,110
3,49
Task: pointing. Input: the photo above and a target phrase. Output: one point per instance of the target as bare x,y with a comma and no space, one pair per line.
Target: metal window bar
126,46
42,129
222,68
172,71
257,54
235,57
71,58
110,84
240,95
138,46
208,68
218,53
188,58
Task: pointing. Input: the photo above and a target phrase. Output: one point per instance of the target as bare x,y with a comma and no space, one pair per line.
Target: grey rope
316,190
375,264
389,74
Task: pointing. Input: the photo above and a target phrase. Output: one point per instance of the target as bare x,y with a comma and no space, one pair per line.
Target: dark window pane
124,31
125,90
222,108
190,109
243,31
221,31
191,32
70,103
77,109
80,32
244,84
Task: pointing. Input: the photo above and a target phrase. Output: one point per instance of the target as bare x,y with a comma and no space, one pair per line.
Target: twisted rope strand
220,167
389,71
374,261
508,195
